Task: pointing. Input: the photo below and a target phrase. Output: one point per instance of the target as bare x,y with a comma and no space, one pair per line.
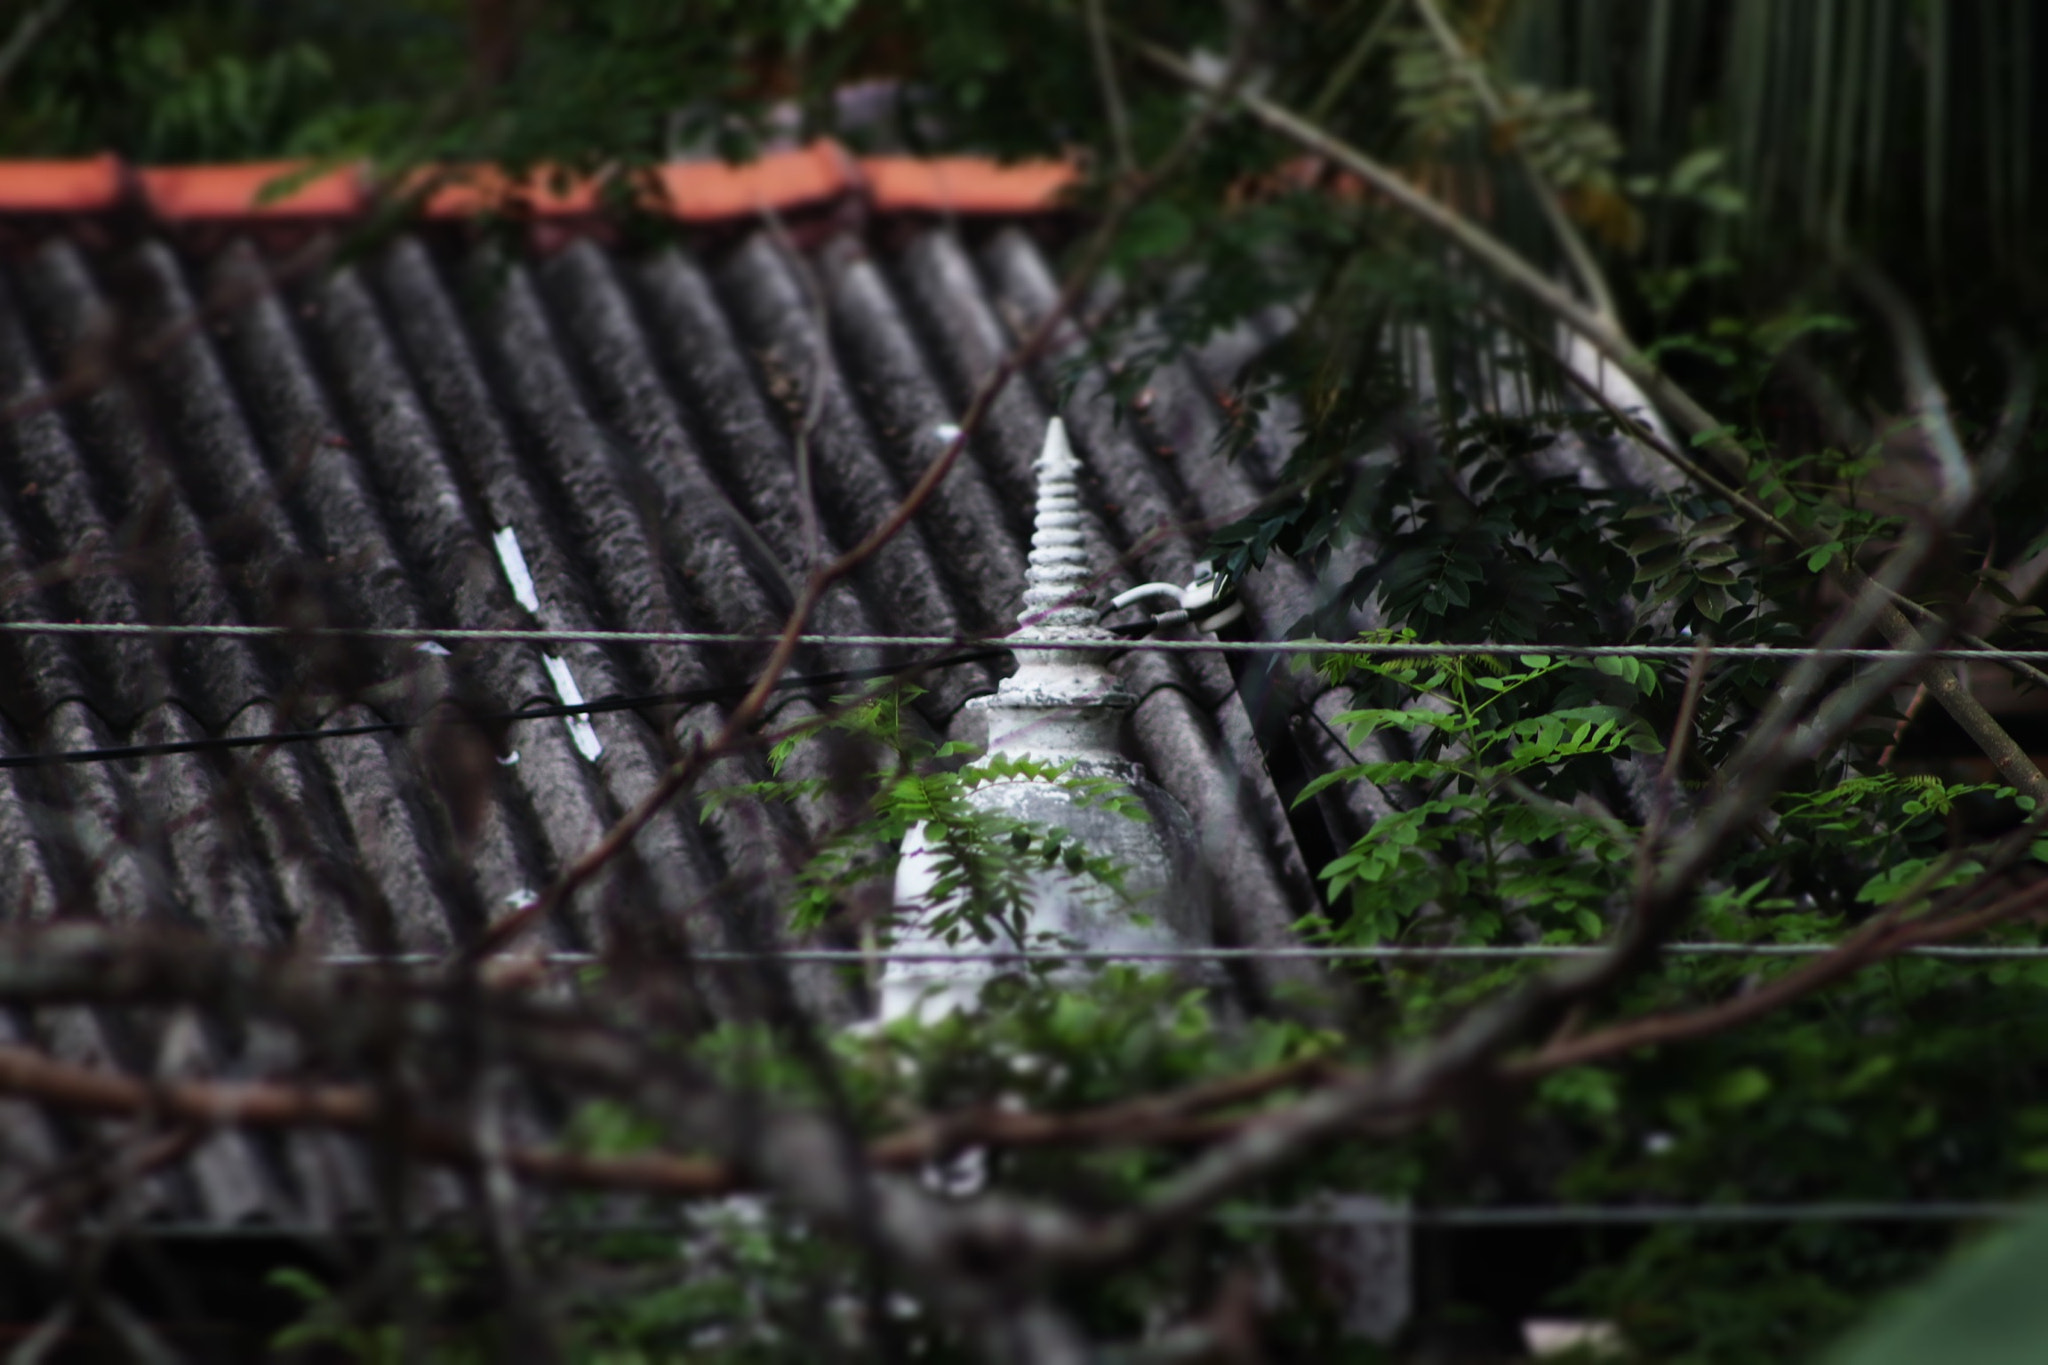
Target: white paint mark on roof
580,729
513,562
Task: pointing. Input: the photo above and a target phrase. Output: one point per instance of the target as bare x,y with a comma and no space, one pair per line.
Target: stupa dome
1061,707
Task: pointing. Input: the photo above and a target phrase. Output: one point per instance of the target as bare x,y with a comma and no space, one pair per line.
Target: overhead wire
487,719
1362,648
1632,1215
1027,957
966,650
1358,1212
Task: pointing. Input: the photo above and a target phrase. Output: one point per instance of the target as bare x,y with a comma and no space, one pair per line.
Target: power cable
1366,953
1587,1215
1371,1211
1405,649
968,650
977,652
723,692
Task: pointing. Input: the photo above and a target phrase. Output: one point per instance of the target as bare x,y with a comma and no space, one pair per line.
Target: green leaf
1660,563
1716,526
296,1281
1821,555
1589,1090
1713,554
1986,1308
1692,173
1725,200
1741,1088
1330,779
1155,229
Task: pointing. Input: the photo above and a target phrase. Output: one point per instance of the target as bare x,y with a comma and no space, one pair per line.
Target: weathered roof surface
348,447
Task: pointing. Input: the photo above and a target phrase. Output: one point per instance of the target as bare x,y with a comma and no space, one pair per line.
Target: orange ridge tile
471,191
965,184
715,191
692,192
210,193
90,185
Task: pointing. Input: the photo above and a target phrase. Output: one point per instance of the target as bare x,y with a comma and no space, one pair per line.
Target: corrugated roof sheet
348,447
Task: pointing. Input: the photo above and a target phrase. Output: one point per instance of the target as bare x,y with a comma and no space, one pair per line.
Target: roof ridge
696,191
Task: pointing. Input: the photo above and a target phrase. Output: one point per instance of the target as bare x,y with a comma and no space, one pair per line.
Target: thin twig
1958,480
1112,93
28,31
1674,758
1589,274
1347,70
813,530
1877,942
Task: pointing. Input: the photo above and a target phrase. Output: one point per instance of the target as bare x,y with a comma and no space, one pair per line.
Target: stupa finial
1058,588
1059,702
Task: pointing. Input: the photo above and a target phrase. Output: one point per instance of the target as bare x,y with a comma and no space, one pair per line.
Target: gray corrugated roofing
343,450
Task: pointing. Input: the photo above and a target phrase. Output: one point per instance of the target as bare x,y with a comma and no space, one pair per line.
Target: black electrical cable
602,705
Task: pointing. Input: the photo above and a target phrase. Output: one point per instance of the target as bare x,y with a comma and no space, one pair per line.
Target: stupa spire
1058,588
1060,703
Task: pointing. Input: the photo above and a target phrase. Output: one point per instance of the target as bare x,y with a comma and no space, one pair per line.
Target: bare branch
1875,942
28,31
2011,760
1112,93
1958,480
123,1323
1591,278
1483,246
29,1074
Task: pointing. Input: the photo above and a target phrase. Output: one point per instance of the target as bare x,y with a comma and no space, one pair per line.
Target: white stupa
1061,706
